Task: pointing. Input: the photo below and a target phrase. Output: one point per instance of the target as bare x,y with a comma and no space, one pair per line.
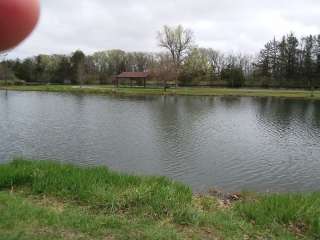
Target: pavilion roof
133,75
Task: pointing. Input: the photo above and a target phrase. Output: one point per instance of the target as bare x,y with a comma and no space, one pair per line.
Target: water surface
240,143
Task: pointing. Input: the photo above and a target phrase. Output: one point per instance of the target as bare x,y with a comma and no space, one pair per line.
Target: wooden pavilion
132,76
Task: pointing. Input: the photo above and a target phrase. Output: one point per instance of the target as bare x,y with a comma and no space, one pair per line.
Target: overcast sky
132,25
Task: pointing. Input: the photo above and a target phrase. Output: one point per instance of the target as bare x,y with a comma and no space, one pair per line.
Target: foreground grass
46,200
301,94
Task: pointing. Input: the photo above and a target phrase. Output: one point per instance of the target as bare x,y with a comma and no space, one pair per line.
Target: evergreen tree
317,54
77,66
264,61
282,61
307,60
274,55
292,60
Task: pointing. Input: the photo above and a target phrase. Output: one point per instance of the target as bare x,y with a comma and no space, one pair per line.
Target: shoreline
183,91
50,200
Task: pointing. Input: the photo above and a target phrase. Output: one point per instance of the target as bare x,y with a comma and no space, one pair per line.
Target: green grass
299,211
196,91
47,200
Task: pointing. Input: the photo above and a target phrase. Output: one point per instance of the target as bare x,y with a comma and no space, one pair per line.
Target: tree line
288,62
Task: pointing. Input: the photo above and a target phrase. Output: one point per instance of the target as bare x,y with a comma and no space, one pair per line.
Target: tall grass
97,196
299,211
98,187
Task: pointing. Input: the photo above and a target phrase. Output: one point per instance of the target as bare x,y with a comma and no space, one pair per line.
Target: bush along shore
184,91
48,200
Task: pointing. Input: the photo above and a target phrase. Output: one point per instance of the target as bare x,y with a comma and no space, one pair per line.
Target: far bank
184,91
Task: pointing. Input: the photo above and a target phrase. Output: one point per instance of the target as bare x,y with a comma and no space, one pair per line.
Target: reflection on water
263,144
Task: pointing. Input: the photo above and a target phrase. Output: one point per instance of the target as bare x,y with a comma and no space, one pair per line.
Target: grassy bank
301,94
46,200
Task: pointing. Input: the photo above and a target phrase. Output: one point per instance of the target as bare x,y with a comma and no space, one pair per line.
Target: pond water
231,143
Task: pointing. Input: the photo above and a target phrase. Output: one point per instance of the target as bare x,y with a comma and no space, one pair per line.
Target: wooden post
144,83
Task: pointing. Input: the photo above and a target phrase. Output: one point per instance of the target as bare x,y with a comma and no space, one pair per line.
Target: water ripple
232,143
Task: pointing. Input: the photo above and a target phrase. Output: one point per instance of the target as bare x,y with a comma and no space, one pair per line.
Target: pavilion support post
144,82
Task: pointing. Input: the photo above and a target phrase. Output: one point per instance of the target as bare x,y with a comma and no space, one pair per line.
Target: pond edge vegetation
50,200
181,91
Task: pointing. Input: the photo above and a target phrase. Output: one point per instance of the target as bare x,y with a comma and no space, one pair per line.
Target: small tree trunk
5,75
177,76
80,77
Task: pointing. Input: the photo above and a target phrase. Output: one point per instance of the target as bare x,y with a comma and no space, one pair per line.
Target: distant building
140,78
67,81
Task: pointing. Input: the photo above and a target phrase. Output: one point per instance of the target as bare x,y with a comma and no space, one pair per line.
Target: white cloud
229,25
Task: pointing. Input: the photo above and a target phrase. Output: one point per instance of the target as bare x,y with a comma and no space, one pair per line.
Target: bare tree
164,69
217,62
177,40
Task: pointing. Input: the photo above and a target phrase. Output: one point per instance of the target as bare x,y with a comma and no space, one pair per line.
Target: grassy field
46,200
196,91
